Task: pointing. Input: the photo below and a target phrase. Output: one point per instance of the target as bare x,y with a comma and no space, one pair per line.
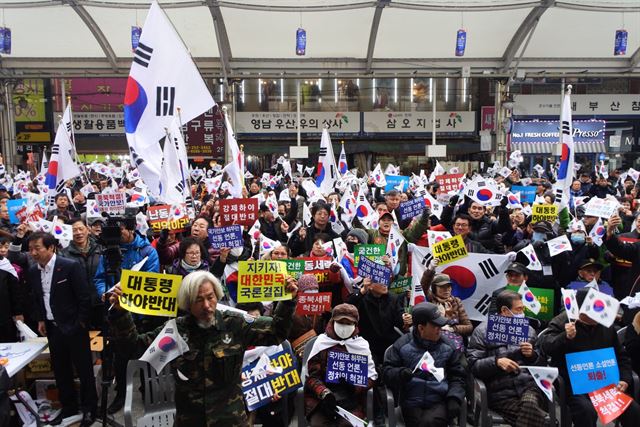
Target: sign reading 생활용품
411,208
166,217
374,252
352,367
449,250
546,299
260,386
154,294
592,370
238,211
541,212
229,236
262,281
507,330
313,303
378,273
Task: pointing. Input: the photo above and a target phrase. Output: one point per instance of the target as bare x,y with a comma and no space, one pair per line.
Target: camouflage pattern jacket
208,391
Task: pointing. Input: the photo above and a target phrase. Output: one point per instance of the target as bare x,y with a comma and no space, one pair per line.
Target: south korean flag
529,299
600,307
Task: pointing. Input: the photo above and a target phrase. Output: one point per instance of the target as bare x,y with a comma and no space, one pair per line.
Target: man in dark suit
63,307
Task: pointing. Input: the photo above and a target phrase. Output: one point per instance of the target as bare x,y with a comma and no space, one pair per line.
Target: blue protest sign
507,330
352,367
591,370
14,205
527,192
411,208
260,385
394,181
378,273
229,236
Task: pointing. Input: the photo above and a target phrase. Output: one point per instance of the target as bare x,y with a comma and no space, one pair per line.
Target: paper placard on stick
602,208
449,250
352,367
229,236
167,217
262,281
378,273
507,330
609,403
313,303
154,294
544,213
374,252
593,369
238,211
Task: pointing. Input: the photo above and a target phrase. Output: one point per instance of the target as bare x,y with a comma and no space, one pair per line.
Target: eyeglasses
461,225
191,253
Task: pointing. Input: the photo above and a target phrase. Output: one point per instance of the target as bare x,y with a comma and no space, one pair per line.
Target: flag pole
72,139
193,203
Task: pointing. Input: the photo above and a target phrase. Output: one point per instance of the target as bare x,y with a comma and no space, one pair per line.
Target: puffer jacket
554,343
482,357
485,230
89,260
423,390
132,253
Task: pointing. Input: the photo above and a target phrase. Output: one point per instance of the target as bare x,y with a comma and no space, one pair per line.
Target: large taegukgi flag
565,172
163,79
62,165
327,173
473,278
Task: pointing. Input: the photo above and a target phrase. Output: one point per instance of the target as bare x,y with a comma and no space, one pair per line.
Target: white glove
512,256
433,264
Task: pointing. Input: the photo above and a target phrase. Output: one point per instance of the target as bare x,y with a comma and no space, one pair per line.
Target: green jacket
211,395
412,234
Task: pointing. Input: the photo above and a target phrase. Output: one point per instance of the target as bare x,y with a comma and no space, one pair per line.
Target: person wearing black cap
276,228
302,240
512,391
516,274
425,400
589,272
563,337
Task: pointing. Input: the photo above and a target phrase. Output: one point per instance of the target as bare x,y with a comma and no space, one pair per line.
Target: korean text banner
164,217
154,294
449,182
592,370
238,211
374,252
527,192
321,268
313,303
262,281
260,385
352,367
394,182
411,208
544,213
609,403
295,267
378,273
449,250
229,236
507,330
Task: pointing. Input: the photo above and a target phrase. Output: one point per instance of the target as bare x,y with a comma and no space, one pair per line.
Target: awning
550,147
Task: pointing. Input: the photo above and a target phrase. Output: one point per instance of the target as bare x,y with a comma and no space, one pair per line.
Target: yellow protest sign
262,281
541,212
154,294
449,250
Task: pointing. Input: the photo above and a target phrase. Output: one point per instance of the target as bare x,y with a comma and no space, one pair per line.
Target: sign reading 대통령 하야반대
153,294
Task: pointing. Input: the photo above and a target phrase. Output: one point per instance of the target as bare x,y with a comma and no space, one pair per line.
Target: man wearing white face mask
321,398
512,392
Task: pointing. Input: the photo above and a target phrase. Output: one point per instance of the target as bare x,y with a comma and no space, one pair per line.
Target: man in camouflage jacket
208,391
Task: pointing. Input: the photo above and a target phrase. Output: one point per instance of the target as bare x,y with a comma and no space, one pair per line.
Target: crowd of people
61,288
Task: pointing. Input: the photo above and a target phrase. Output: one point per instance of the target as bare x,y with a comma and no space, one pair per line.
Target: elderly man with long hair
208,391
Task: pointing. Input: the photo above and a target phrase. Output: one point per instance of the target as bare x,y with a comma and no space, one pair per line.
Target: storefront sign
286,122
581,105
418,122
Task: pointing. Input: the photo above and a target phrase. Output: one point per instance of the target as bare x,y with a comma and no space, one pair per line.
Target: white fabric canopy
347,37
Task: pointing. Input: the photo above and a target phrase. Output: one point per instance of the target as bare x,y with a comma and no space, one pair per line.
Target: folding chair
394,412
299,400
159,397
